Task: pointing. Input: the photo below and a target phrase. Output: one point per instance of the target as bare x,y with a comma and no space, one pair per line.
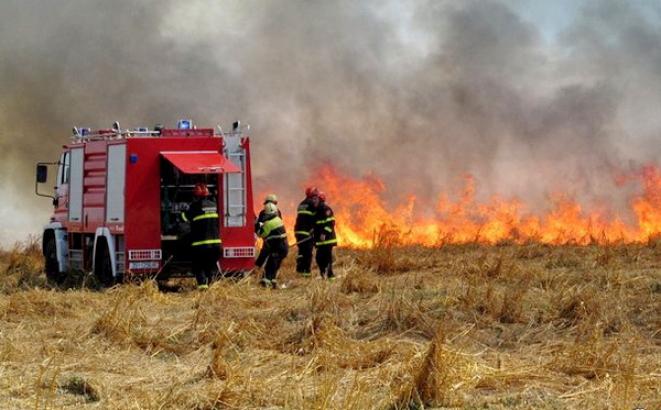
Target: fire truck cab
119,195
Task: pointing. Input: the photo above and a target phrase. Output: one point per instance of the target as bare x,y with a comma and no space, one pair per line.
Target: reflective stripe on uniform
206,242
323,221
284,235
183,216
205,216
306,233
304,212
328,229
328,242
270,225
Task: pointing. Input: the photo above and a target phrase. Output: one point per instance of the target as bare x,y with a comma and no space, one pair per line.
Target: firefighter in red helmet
311,191
304,230
202,214
324,237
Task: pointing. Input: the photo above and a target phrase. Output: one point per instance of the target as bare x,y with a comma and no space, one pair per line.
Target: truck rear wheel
51,265
103,266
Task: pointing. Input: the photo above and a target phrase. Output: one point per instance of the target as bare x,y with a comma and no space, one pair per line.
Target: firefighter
324,237
268,199
275,245
205,238
259,221
304,230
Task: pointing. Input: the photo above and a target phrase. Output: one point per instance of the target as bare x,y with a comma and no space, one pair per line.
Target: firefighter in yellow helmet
275,245
205,237
259,221
268,199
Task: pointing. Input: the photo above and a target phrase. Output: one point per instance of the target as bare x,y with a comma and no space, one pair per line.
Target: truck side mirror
42,176
42,173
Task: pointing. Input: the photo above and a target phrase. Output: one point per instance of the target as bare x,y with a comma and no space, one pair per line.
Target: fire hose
301,241
251,271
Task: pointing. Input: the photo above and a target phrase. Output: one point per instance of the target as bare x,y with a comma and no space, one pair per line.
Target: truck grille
239,252
145,255
76,259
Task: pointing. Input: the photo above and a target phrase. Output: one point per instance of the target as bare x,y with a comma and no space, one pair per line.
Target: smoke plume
418,93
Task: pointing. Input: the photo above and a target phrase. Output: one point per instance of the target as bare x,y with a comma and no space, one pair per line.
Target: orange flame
360,213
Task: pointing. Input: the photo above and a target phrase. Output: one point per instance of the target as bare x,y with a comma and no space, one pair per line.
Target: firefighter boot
329,272
301,268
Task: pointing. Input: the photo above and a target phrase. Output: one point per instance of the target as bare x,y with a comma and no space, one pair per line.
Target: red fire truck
119,194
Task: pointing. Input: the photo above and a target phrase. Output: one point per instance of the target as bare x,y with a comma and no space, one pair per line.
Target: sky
549,17
525,95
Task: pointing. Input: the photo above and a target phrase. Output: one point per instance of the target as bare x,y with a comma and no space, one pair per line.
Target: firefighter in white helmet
205,237
275,245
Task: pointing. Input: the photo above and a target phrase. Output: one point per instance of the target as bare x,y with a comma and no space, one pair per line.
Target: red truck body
119,194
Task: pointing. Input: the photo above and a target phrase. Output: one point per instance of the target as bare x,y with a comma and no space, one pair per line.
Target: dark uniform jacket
324,229
203,217
274,234
306,216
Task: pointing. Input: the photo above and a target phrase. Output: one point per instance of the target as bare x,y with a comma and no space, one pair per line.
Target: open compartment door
200,162
179,172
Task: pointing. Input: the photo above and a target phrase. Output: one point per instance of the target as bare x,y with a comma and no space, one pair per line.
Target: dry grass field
471,326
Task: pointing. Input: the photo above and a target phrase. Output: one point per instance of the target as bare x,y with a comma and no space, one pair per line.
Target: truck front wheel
51,265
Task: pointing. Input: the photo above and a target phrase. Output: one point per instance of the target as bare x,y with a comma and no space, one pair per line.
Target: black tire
103,266
51,265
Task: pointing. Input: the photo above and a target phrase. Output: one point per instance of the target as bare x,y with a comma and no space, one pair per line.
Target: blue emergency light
185,124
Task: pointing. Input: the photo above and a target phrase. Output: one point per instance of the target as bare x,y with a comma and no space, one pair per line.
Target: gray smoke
420,92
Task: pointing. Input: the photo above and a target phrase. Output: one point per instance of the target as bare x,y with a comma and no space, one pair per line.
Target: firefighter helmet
201,190
270,208
322,196
272,198
311,191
